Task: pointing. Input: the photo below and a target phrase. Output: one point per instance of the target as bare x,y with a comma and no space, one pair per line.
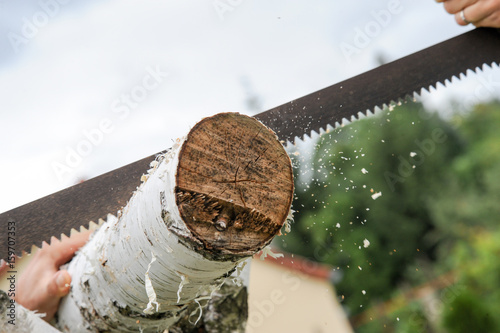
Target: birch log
214,199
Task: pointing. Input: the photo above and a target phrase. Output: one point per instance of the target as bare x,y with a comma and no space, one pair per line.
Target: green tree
471,198
402,155
478,272
469,314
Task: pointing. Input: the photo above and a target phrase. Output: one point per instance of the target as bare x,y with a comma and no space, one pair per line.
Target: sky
88,87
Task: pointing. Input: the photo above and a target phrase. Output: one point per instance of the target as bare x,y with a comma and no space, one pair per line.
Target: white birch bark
143,269
137,266
24,321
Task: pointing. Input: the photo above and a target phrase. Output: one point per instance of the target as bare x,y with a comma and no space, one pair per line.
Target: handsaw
76,206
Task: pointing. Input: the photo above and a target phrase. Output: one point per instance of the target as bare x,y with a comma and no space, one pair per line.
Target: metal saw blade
76,206
383,85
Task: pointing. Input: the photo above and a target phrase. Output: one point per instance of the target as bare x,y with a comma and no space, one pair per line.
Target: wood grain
234,183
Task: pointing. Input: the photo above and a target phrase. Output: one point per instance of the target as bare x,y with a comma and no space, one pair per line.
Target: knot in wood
221,224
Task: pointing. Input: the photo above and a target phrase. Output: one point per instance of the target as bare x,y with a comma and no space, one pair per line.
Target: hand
481,13
42,285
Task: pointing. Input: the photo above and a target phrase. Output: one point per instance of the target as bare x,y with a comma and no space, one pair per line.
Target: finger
62,251
48,301
492,20
455,6
59,285
462,18
474,13
491,14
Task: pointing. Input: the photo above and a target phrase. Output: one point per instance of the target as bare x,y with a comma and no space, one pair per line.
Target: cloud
67,77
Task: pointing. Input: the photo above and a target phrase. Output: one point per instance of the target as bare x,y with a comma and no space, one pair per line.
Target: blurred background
404,206
404,213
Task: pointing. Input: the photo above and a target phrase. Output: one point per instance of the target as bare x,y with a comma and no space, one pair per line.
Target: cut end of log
234,184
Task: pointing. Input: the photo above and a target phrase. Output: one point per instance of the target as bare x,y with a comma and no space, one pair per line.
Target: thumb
60,284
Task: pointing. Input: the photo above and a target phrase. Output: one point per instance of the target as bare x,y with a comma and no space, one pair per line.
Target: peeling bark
21,320
205,206
225,311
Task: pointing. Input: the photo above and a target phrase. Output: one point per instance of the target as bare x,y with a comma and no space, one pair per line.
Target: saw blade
76,206
383,85
71,208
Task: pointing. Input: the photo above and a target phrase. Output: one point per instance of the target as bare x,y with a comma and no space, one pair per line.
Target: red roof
300,264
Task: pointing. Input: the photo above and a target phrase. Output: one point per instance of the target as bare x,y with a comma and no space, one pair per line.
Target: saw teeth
54,240
440,85
459,77
409,97
320,129
93,226
33,250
